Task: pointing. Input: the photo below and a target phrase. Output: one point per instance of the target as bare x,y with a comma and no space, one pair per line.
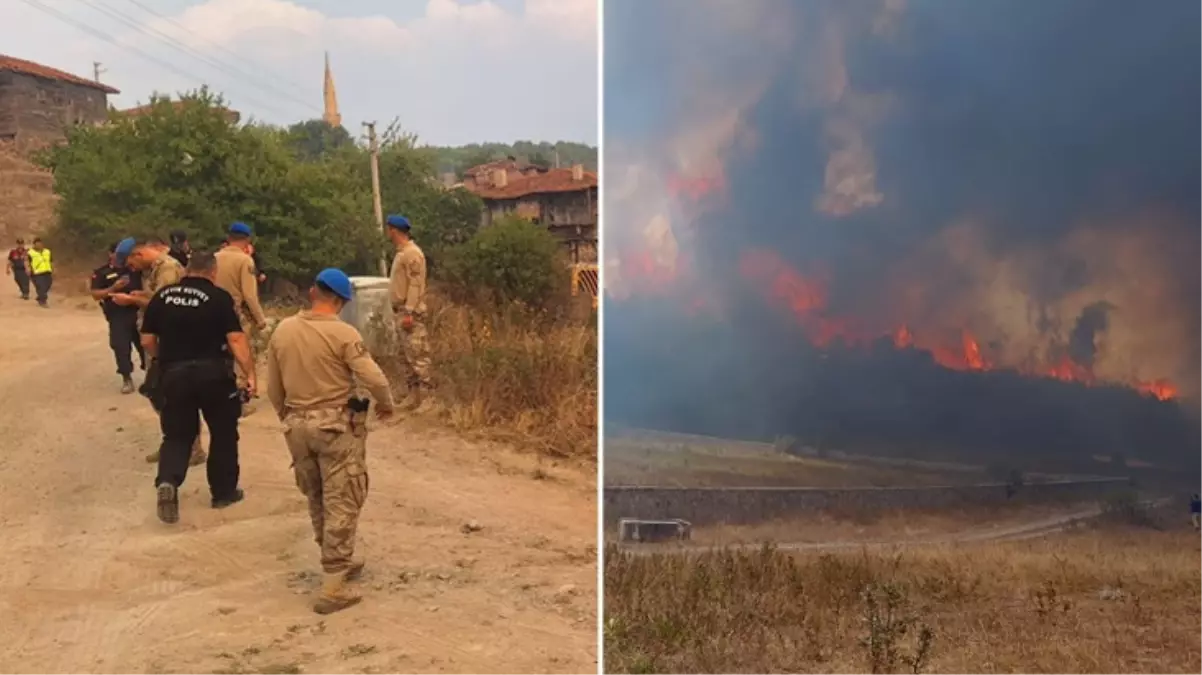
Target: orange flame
805,297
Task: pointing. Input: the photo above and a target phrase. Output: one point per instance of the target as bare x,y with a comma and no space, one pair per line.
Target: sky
452,71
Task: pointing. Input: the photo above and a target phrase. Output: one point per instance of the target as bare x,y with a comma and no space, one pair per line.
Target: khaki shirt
236,276
408,279
164,271
315,361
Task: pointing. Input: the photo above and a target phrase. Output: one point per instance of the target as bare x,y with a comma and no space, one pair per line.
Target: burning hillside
859,202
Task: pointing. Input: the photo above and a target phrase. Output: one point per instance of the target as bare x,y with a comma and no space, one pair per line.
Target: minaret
330,116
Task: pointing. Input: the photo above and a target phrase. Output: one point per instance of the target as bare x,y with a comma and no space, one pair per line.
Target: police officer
314,361
180,248
108,280
152,259
408,291
192,329
236,276
18,266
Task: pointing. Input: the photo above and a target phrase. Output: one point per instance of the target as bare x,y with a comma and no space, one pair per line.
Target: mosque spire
331,115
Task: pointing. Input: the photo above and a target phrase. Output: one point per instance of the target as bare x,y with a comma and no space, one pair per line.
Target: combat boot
425,402
412,400
355,571
335,594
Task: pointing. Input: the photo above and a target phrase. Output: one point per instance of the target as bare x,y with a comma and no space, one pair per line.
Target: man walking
193,332
314,362
108,280
408,290
236,276
41,271
18,266
159,270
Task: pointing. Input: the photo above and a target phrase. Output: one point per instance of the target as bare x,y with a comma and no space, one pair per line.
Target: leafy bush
511,261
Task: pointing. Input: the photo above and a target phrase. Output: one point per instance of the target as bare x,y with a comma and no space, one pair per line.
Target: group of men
196,318
31,266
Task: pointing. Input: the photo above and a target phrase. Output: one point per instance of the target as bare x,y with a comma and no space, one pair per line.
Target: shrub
511,261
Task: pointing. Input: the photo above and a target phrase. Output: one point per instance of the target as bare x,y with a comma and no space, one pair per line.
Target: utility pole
374,145
97,70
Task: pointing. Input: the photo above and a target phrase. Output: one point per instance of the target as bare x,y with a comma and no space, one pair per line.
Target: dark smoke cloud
988,150
1082,346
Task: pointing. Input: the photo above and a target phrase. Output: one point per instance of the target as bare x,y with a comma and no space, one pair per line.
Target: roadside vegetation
515,354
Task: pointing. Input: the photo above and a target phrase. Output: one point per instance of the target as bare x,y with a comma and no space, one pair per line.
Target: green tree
187,167
514,260
315,139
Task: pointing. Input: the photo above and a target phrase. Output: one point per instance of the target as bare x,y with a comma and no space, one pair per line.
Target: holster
152,386
358,407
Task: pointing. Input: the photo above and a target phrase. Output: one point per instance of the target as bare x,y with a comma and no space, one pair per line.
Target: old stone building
562,200
37,103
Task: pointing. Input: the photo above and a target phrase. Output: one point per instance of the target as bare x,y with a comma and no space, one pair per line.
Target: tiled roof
489,167
13,64
554,180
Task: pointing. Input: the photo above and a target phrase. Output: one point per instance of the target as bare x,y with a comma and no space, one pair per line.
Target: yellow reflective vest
39,261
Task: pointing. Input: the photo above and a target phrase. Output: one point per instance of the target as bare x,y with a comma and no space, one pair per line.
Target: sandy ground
91,581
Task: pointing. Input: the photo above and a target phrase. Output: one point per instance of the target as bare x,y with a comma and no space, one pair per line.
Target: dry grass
524,377
27,193
1102,600
874,525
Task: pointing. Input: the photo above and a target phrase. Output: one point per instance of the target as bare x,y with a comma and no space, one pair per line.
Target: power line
101,35
269,74
188,51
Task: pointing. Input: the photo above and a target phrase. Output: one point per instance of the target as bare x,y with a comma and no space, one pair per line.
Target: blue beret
124,247
337,281
240,228
399,222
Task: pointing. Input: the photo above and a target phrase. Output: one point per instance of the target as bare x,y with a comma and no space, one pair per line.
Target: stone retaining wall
708,506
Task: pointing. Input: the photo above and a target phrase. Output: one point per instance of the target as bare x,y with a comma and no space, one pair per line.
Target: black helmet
178,236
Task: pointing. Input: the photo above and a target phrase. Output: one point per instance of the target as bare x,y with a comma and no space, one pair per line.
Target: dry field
1111,598
695,462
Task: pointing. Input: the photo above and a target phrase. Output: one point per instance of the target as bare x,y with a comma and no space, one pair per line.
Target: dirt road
91,581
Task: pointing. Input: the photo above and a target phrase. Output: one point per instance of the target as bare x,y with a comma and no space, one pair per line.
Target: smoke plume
957,223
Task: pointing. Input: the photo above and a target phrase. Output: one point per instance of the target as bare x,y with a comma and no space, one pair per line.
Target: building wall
570,216
32,107
709,506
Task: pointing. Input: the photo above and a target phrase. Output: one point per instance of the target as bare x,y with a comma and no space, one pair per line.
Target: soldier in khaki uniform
159,270
408,290
236,275
315,364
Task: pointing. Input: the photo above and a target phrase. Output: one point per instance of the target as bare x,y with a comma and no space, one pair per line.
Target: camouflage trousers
248,327
329,458
415,350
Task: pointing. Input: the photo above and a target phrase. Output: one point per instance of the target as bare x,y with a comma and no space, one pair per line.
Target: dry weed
523,377
1105,600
